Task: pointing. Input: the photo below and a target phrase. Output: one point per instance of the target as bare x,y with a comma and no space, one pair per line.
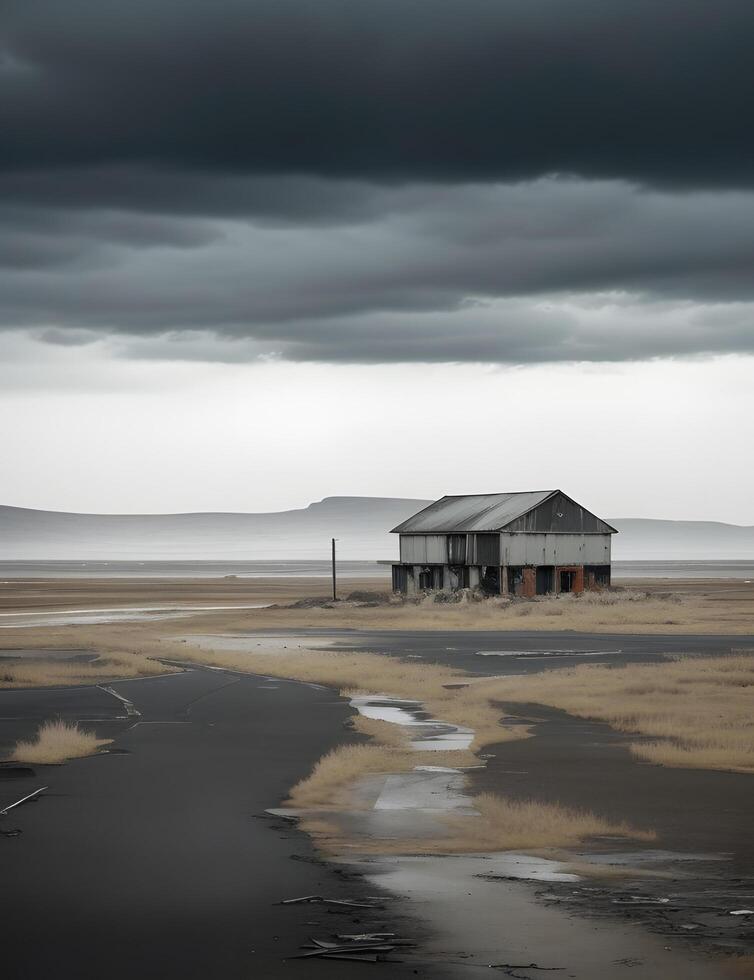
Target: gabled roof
474,512
480,512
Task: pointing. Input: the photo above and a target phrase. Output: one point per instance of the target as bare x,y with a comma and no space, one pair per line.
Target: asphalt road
153,861
563,648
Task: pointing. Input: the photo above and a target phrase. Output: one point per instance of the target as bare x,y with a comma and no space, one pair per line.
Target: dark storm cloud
379,180
33,238
272,200
423,248
658,92
550,270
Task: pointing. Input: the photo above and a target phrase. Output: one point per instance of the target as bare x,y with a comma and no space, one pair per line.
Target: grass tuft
506,825
698,710
57,741
62,673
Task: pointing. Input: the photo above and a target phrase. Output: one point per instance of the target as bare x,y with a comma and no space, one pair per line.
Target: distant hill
680,540
360,524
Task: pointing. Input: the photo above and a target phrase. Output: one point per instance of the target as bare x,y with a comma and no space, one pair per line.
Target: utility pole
334,584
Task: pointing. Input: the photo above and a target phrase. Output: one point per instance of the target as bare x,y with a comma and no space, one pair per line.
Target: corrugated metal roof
477,512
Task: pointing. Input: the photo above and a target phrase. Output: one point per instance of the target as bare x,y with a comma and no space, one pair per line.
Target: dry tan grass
704,609
330,783
370,673
605,612
652,606
339,770
381,732
61,673
501,825
699,706
698,753
57,741
506,825
702,707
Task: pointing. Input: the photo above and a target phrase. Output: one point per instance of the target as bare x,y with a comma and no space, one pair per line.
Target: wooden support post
334,583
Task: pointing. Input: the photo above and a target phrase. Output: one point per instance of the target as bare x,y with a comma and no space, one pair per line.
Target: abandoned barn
525,544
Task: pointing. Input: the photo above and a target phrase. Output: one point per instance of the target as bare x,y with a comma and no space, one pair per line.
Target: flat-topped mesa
534,542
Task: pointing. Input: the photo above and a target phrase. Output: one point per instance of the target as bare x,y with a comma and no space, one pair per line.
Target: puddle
121,614
256,642
24,656
425,788
546,653
427,734
480,918
633,858
410,805
403,806
524,867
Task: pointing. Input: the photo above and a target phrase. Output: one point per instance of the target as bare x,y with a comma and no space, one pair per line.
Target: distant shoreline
635,569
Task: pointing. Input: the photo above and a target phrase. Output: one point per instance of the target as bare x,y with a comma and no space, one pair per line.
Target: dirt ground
650,606
569,761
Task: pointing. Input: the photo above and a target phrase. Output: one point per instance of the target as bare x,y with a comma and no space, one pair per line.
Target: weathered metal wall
505,549
457,549
555,549
424,549
559,513
484,549
452,549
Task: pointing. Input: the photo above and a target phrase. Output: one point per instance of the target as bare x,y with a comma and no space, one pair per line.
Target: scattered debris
363,948
523,966
310,602
639,900
321,900
130,708
24,799
369,598
714,911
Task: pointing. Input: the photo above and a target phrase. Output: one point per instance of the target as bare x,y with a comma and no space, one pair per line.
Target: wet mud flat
158,859
488,652
490,910
703,909
530,651
181,877
687,884
489,918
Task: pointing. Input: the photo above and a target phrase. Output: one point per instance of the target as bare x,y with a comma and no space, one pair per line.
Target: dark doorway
566,581
457,549
458,577
515,579
598,576
490,579
545,579
400,578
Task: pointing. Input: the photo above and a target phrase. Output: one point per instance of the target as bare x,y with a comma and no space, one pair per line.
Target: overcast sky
257,252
